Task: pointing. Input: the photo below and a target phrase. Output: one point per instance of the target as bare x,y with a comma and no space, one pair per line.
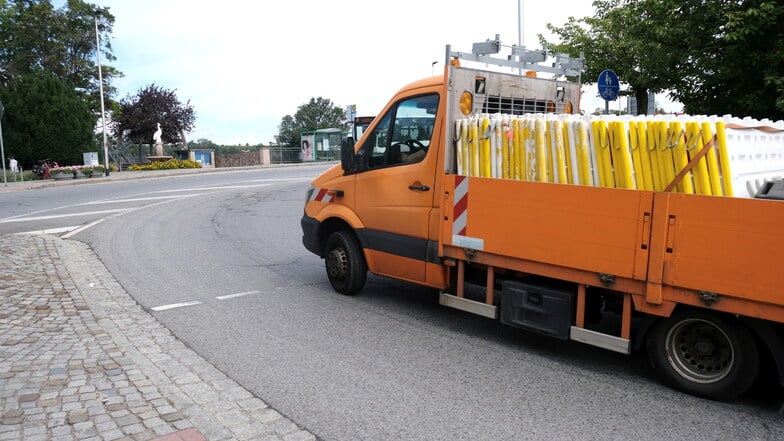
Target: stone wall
238,159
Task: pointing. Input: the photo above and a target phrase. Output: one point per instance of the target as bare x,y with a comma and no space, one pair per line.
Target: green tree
733,60
318,113
714,56
139,116
45,118
202,143
618,37
61,41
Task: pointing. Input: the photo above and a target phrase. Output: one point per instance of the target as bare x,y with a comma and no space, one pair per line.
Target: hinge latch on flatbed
606,279
708,298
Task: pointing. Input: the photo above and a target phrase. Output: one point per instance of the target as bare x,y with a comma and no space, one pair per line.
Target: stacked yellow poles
646,153
677,142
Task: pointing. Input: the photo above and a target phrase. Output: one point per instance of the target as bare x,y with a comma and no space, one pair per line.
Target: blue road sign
608,85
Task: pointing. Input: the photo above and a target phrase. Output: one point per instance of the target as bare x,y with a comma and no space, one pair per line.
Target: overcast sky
245,64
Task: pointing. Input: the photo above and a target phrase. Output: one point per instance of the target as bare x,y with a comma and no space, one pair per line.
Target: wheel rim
700,351
337,263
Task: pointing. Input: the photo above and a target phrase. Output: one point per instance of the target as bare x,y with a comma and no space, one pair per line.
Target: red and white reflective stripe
460,216
322,195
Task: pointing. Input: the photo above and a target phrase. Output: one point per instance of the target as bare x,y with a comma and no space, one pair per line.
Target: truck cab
378,210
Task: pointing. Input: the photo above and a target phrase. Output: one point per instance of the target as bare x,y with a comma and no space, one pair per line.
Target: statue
158,142
157,135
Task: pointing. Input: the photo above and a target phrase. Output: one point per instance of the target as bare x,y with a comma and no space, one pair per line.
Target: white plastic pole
100,88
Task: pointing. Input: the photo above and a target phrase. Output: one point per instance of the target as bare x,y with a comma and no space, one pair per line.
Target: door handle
418,187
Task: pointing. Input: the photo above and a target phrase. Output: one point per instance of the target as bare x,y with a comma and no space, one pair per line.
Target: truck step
605,341
467,305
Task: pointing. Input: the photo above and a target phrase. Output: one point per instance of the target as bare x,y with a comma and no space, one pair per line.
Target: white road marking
239,294
175,305
118,201
308,178
57,216
47,231
220,187
82,228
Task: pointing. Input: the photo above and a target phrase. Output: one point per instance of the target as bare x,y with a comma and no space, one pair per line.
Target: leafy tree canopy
318,113
45,118
36,36
714,56
140,114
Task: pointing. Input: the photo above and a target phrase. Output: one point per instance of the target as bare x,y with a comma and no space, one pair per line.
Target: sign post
609,86
2,148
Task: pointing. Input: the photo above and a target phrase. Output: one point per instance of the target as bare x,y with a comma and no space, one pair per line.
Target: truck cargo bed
704,250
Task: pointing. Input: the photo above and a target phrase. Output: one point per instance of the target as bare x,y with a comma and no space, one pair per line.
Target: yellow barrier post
599,128
559,162
721,139
621,156
506,148
641,135
484,147
530,149
640,174
583,155
653,154
711,160
666,162
569,153
473,148
517,129
540,140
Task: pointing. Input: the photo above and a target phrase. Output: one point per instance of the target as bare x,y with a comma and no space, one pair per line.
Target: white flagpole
100,88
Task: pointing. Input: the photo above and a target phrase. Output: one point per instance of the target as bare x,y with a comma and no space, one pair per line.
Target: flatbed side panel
586,228
727,246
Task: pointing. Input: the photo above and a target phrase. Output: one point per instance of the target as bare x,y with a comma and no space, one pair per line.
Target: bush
165,165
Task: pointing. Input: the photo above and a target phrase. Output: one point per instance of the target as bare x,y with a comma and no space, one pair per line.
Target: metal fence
284,154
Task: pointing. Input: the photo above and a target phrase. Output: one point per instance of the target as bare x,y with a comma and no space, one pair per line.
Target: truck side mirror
347,154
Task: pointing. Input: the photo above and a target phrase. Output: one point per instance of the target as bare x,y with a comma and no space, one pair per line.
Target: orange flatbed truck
696,280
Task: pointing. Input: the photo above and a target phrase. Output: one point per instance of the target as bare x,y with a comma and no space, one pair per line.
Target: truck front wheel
704,354
345,262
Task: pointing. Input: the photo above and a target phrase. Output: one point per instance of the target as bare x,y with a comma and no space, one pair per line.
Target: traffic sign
608,85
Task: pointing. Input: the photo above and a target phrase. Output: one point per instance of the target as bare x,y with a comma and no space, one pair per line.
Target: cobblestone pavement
81,360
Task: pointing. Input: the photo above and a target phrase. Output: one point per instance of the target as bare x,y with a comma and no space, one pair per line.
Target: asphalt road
218,259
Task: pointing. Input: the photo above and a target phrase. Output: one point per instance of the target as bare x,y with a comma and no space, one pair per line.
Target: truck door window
403,134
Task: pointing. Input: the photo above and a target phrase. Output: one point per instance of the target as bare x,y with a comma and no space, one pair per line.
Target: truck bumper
310,235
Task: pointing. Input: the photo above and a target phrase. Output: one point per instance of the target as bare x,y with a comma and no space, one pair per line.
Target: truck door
395,192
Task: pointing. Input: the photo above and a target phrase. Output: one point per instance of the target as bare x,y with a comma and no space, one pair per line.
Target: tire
345,263
704,354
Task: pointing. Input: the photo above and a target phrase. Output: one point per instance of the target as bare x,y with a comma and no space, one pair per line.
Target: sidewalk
12,185
18,185
81,360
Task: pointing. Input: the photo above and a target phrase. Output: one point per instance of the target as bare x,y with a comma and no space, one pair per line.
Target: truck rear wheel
345,263
704,354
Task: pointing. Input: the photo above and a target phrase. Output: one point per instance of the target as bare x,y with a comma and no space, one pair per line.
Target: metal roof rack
520,58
